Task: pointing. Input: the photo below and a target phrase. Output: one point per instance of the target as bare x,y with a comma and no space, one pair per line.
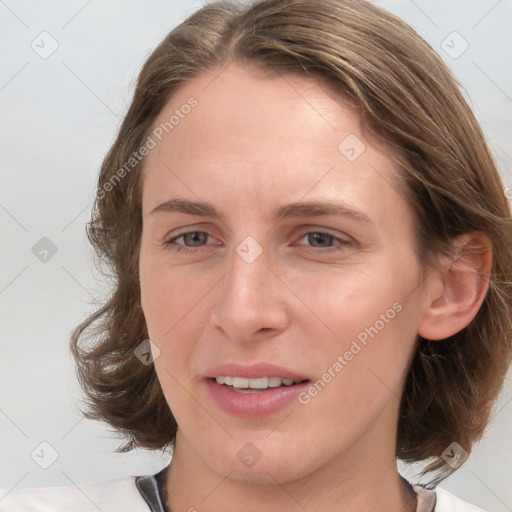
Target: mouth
253,397
253,390
256,385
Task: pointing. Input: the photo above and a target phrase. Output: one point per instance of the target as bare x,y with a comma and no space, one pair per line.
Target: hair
447,174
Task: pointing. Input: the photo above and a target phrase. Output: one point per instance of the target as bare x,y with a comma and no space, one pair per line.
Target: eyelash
184,249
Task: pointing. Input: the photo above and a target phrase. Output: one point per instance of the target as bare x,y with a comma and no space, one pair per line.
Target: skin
253,143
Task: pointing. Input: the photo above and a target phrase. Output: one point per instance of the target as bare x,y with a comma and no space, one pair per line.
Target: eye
194,237
325,240
194,241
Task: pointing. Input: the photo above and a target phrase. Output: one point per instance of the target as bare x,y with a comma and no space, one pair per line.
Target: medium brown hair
407,95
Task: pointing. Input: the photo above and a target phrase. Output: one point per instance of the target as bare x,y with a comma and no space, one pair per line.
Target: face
270,285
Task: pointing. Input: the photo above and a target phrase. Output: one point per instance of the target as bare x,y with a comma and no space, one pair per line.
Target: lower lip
253,404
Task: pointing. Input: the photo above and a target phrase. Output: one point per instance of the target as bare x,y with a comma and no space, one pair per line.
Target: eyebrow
292,210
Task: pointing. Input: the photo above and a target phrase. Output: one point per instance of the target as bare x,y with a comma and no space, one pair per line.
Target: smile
250,402
258,383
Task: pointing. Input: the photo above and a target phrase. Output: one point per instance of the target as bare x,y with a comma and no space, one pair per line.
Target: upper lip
253,371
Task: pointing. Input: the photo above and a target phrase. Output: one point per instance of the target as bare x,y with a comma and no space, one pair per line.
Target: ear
455,291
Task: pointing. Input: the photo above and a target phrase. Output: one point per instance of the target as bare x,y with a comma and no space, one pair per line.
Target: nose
252,301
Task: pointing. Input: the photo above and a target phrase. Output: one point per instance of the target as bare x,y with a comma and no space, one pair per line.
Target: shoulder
448,502
118,495
443,501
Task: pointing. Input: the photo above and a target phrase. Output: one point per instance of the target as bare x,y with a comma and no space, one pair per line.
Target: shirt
144,493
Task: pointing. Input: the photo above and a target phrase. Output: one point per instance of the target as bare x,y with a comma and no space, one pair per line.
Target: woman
311,250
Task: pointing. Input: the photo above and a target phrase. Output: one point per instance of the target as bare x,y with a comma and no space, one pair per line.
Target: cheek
168,307
161,310
166,297
175,310
343,303
367,329
360,373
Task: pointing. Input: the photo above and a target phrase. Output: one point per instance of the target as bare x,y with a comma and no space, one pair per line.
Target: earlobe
452,305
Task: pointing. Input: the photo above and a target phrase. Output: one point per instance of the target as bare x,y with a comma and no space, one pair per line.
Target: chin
268,473
261,463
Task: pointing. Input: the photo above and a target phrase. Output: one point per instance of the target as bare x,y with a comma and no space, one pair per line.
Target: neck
193,486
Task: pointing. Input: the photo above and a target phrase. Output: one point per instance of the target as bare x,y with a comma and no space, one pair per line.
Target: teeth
259,383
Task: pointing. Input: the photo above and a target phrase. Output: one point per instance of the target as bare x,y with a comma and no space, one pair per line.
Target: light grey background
58,116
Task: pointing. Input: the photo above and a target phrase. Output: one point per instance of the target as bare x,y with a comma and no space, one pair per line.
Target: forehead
264,138
242,101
